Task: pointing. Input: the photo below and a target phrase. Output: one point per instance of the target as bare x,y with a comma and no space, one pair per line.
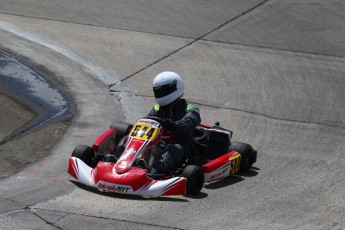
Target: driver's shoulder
191,106
156,107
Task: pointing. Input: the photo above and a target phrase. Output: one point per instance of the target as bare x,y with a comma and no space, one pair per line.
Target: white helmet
167,87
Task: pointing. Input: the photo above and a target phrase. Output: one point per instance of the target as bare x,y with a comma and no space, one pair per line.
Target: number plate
235,163
144,132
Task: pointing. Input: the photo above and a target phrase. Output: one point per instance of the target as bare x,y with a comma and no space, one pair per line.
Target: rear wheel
248,154
195,179
84,153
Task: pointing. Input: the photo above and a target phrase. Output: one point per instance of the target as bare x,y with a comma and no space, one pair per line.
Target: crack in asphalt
98,217
25,208
32,210
28,208
270,117
137,31
92,25
257,114
195,40
47,222
276,49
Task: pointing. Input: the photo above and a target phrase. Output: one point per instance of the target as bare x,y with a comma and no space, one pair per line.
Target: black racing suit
187,117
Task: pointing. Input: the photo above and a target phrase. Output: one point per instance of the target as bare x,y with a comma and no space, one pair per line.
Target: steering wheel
168,135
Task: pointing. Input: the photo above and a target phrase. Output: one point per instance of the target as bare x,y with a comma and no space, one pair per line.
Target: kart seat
218,142
200,140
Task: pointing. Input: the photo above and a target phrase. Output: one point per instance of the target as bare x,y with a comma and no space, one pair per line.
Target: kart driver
179,117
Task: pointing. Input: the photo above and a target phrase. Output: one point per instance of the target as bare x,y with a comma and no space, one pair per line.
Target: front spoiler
135,182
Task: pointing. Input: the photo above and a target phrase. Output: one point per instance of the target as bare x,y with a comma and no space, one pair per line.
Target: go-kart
120,160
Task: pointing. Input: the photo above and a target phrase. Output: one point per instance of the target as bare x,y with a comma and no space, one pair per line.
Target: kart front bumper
135,182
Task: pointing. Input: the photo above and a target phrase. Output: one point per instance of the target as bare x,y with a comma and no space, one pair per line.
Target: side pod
221,167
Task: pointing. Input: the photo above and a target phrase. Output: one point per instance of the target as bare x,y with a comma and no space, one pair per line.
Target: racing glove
169,125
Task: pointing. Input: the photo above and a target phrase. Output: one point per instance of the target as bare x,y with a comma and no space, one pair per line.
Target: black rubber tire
122,129
84,153
248,155
195,179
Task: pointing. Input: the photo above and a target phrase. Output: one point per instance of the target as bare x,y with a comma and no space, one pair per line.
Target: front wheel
195,179
122,129
248,154
84,153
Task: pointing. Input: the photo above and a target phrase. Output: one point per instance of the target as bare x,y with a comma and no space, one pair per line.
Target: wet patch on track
32,88
35,113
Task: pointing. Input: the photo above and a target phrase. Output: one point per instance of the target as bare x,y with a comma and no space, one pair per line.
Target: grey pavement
190,19
304,26
13,114
272,71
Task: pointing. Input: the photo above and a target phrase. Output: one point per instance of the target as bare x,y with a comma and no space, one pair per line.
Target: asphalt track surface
272,71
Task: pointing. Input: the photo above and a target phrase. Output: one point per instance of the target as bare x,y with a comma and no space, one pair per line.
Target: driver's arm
189,121
154,111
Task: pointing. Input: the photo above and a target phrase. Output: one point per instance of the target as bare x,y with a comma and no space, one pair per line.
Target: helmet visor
164,90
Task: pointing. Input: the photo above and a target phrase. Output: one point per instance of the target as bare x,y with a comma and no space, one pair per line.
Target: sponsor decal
150,122
131,151
220,173
113,187
123,164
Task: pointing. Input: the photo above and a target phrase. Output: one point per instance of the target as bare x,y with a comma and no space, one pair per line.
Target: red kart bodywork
135,182
124,177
